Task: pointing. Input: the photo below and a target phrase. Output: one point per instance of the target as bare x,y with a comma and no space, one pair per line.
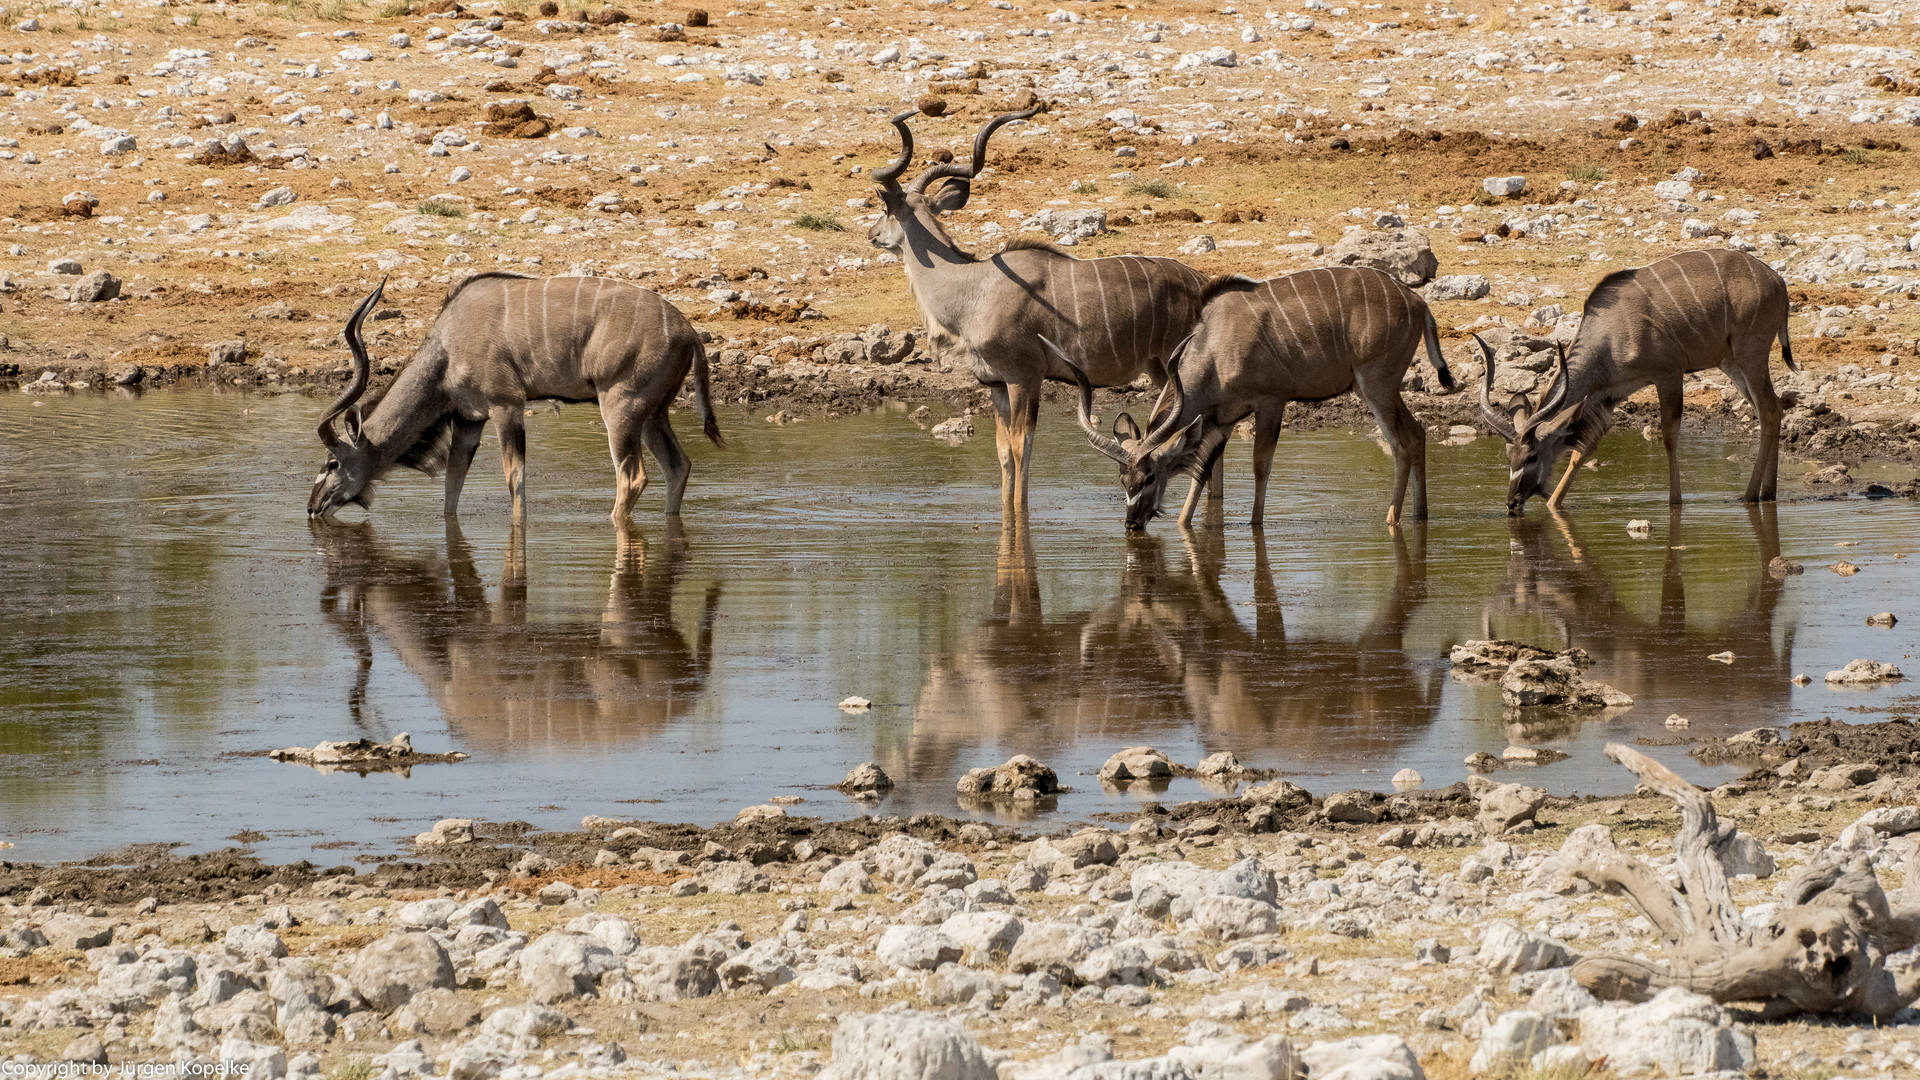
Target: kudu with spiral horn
1121,316
1653,326
1308,336
500,341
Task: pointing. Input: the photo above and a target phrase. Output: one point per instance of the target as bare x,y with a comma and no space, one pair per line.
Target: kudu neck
412,406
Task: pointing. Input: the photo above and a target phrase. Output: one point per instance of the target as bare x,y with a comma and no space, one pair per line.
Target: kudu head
1147,461
1535,433
352,463
917,206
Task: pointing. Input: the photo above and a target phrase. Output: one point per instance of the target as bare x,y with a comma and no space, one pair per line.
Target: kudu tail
1438,361
703,395
1786,348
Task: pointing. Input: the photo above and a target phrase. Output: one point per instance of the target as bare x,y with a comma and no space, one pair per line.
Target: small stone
1407,778
1678,721
854,703
95,288
1860,672
1502,187
1199,245
1884,618
1458,287
1136,763
1844,568
1779,567
1801,679
1639,528
1722,657
280,196
865,778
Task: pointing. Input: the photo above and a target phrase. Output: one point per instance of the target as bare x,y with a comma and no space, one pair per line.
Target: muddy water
167,615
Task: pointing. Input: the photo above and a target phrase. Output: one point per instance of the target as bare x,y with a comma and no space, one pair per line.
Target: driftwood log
1823,951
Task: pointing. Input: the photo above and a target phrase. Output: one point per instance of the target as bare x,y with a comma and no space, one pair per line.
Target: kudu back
1307,336
1652,325
1121,315
500,341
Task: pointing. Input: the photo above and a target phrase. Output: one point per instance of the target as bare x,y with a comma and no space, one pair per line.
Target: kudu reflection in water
1662,658
1168,653
501,681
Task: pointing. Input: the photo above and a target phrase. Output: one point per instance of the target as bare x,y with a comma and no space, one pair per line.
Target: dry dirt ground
719,157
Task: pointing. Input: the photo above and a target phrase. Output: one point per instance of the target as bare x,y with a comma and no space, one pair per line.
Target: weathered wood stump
1823,951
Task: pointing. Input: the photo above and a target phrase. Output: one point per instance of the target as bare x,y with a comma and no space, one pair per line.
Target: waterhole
168,615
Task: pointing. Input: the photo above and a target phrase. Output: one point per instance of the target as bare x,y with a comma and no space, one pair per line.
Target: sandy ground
723,166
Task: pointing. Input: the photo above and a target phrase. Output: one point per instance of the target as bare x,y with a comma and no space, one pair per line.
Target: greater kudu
1121,315
1260,344
500,341
1652,325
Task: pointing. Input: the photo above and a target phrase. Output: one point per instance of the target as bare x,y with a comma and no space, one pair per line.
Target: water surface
167,615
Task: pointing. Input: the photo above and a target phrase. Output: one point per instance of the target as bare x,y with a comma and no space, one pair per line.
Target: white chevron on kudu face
1120,315
500,341
1652,326
1260,344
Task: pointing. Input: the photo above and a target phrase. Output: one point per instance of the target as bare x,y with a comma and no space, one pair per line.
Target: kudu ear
354,417
1125,429
952,196
1183,445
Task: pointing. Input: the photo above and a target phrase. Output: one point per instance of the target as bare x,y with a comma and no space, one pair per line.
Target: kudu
1651,326
1121,315
1260,344
500,341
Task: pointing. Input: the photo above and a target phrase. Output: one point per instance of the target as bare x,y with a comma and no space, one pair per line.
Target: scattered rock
1137,763
1505,949
1556,682
1677,1033
905,1045
1021,778
865,780
95,288
1863,672
1404,253
363,755
1502,806
391,970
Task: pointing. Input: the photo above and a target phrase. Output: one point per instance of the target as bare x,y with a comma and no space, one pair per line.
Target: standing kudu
500,341
1308,336
1122,315
1652,326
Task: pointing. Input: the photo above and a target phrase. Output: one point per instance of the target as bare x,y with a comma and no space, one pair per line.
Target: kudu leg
510,423
1266,435
1405,436
1566,481
1672,401
1767,411
1023,407
629,464
657,431
1217,481
1003,446
466,440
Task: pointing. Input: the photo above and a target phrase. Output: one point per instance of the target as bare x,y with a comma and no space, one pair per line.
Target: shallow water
167,615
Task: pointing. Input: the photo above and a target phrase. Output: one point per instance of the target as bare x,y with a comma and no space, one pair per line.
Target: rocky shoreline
1270,933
